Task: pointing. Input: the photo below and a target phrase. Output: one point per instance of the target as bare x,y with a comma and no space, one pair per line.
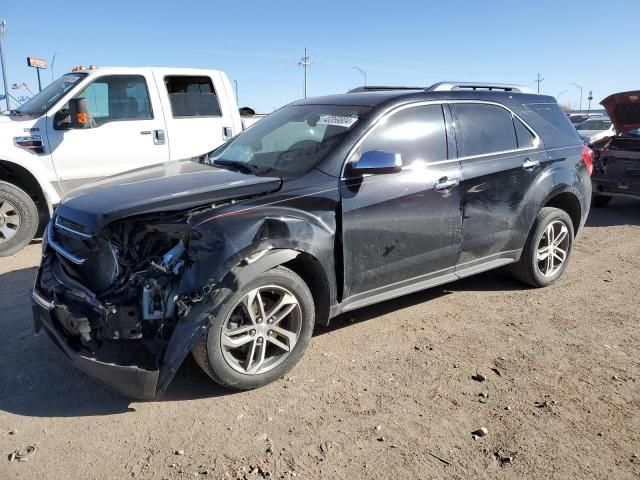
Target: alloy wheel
261,330
553,248
9,220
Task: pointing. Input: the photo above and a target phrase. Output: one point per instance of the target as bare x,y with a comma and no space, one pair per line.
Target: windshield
44,100
594,125
290,141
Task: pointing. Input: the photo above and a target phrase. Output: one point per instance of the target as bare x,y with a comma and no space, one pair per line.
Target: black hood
164,187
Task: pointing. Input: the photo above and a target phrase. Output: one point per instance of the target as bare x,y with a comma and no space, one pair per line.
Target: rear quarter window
552,114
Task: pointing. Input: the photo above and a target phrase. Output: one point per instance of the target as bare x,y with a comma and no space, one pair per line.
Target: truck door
127,131
198,116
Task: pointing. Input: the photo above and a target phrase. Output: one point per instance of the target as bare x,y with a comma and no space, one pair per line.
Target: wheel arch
568,201
25,180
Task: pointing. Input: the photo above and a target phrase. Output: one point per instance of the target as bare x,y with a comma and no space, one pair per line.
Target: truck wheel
260,333
18,219
548,248
601,200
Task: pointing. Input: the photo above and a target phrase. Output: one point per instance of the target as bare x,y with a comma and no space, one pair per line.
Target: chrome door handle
445,184
530,164
158,137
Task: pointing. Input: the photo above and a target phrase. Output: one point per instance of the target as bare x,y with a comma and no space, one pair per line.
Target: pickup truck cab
134,117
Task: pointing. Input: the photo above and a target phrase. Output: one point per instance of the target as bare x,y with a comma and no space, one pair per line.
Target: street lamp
3,28
558,95
364,74
579,87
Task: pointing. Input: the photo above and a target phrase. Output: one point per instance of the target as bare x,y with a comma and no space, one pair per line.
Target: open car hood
624,110
164,187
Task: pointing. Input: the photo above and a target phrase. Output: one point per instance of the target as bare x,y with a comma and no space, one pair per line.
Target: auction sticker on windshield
337,120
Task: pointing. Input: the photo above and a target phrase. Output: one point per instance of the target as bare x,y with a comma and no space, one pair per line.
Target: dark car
617,158
327,205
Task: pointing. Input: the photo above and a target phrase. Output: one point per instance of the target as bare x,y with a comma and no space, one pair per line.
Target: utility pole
3,27
305,63
539,81
579,87
364,74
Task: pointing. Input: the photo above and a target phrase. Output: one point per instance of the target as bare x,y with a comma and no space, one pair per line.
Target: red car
617,158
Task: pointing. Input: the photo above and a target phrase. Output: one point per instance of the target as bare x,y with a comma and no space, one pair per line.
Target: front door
404,227
127,131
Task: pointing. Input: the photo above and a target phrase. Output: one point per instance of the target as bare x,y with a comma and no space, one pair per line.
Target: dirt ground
385,392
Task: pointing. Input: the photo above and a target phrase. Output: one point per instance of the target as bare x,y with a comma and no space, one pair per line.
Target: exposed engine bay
124,287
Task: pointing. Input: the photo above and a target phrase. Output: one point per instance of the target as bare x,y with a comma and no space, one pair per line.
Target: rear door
501,158
127,129
198,117
399,229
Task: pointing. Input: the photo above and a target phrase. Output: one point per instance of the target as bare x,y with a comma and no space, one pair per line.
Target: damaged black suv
327,205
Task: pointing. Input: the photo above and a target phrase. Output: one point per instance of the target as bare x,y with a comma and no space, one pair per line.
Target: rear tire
18,219
601,201
260,332
551,236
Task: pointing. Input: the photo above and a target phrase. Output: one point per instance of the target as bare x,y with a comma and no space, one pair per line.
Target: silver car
593,128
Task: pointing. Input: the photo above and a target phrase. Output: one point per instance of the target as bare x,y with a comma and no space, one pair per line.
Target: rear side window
526,139
483,129
192,96
416,133
552,113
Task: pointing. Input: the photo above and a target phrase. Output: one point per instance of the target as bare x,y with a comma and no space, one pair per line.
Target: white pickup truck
95,122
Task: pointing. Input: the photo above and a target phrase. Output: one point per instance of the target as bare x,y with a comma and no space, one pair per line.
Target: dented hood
623,110
164,187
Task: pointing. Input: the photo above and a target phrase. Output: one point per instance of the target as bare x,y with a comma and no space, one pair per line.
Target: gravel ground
385,392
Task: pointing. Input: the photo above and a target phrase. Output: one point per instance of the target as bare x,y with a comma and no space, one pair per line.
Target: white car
595,128
96,122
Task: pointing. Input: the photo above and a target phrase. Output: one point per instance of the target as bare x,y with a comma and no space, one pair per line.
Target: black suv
327,205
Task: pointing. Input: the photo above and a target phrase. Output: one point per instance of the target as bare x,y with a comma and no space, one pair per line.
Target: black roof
375,98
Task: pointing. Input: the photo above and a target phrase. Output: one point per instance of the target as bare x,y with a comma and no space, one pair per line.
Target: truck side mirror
377,162
79,113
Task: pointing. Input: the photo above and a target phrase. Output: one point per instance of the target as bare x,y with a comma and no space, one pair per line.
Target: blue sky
259,43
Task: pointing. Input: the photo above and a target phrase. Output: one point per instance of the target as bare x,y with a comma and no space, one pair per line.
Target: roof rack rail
381,88
503,87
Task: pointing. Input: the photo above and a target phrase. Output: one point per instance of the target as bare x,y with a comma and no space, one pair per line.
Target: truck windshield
43,101
290,141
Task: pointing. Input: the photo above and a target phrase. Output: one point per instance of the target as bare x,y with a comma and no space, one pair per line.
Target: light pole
237,98
364,74
305,63
558,95
53,60
579,87
3,27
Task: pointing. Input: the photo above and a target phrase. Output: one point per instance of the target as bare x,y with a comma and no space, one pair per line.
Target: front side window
117,97
290,141
418,134
192,96
483,129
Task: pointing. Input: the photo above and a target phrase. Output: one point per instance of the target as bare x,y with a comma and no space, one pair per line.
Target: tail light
587,158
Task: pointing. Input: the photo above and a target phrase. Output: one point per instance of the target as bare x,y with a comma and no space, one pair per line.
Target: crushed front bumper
130,381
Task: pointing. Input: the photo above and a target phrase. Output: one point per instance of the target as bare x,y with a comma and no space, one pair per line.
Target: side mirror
377,161
79,113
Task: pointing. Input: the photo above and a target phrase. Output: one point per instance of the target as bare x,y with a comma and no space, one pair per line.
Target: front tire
548,248
260,333
18,219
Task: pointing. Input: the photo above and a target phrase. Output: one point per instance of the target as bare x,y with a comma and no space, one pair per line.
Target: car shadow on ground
620,211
